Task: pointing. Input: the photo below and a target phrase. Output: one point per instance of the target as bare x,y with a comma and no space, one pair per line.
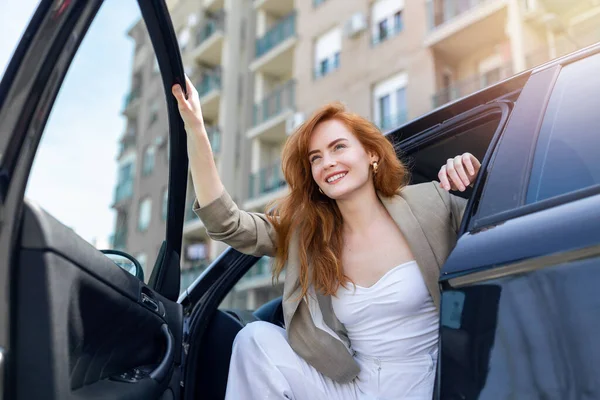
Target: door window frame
450,128
513,161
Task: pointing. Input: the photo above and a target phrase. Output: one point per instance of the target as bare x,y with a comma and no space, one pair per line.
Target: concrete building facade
263,66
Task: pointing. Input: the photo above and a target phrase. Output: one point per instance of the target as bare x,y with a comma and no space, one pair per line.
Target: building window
390,105
383,30
165,203
149,159
327,52
145,214
384,107
387,19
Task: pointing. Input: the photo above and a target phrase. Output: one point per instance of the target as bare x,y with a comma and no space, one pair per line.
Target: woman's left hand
459,172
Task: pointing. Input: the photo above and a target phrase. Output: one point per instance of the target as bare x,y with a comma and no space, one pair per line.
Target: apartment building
214,51
389,60
263,66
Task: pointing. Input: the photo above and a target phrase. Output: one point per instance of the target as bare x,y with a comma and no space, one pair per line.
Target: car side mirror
126,261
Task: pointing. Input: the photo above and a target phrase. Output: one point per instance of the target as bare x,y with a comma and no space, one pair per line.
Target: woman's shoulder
427,196
423,192
431,199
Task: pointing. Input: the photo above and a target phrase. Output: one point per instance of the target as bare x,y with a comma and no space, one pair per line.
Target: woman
362,253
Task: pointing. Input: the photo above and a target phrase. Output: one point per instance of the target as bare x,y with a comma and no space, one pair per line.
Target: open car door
73,324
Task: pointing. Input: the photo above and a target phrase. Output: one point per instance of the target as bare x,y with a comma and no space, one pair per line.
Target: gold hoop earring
375,166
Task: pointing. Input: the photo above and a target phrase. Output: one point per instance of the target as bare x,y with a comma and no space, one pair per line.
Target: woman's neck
361,211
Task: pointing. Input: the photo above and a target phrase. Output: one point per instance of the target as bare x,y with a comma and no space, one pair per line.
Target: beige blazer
429,218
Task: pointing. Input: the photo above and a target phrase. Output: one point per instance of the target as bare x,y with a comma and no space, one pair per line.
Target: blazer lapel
401,213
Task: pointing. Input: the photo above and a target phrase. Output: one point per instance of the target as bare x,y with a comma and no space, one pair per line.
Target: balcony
214,137
119,240
190,215
562,45
193,227
269,115
458,28
128,141
274,7
471,85
191,273
275,50
209,40
123,192
209,90
265,185
393,121
132,102
259,275
214,5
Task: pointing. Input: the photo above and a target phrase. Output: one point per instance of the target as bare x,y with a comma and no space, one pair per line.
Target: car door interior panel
217,342
120,337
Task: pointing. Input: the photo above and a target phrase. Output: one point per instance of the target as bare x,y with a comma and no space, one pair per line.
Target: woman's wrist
196,131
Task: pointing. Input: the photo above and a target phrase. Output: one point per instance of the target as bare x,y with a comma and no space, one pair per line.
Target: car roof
502,89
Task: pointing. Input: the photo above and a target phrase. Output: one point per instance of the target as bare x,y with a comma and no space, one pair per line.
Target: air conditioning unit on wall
355,25
293,122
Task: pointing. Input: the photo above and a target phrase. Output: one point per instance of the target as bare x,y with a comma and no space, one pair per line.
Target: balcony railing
471,85
214,137
189,275
213,23
279,100
209,81
441,11
119,240
283,30
562,45
261,269
124,190
128,141
132,96
190,215
267,180
391,121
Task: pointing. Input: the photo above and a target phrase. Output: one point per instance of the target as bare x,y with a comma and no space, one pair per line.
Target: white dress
393,331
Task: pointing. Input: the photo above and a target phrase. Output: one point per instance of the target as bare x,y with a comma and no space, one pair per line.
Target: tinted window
527,336
568,148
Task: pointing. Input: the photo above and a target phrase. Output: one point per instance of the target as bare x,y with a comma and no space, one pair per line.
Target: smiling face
340,165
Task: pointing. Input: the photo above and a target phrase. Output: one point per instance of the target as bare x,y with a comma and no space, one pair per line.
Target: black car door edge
165,277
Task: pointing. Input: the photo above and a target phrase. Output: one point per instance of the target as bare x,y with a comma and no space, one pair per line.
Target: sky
75,169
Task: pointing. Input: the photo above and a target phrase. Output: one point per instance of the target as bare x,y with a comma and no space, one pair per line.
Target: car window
568,148
255,288
101,167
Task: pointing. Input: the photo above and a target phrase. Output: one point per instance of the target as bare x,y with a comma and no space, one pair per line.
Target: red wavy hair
315,218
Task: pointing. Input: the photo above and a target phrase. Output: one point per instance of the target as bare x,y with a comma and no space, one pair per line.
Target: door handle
160,372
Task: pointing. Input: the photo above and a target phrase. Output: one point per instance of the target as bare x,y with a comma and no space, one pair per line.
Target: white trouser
264,366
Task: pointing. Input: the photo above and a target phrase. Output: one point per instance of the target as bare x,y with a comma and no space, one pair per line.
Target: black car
520,313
